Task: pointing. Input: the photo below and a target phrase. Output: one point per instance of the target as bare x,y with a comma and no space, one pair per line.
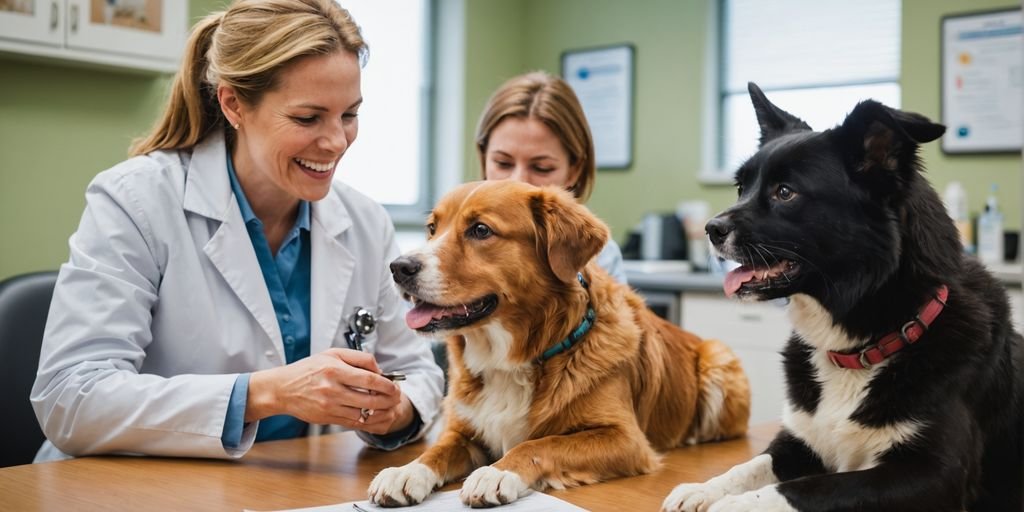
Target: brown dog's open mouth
427,317
753,278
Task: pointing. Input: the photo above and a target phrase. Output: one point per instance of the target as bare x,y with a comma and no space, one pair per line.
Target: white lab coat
162,304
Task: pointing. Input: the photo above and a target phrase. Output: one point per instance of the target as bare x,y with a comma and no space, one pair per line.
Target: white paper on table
448,501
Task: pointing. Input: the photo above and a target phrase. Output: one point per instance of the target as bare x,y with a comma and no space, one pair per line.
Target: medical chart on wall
603,81
982,83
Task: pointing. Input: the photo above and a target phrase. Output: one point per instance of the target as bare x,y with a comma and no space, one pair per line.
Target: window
389,160
813,58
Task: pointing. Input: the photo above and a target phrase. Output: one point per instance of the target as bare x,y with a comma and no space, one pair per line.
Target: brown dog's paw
403,486
490,487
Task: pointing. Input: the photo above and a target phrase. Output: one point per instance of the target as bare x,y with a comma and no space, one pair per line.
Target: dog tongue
422,314
735,278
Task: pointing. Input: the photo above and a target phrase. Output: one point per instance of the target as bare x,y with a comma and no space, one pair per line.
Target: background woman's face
291,142
525,149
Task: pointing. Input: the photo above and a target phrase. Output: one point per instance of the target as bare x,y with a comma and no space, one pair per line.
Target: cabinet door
767,383
757,325
756,332
148,28
35,21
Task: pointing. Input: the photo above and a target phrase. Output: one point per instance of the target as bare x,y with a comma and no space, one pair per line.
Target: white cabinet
756,332
146,35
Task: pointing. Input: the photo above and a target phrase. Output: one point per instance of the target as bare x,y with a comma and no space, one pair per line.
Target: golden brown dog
505,276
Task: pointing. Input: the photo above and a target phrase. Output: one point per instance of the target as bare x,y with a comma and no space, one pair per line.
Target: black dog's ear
570,236
881,137
773,120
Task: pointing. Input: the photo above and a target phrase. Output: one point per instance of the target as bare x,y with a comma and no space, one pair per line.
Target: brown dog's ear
569,234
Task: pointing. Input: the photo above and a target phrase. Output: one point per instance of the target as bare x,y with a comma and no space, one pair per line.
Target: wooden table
309,472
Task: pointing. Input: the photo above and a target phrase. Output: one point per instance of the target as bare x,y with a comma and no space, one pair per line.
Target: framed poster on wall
982,82
603,80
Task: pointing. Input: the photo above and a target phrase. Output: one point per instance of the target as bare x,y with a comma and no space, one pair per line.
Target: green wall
495,51
670,38
58,128
60,125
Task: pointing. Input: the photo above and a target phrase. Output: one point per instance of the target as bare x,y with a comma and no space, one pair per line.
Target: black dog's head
826,213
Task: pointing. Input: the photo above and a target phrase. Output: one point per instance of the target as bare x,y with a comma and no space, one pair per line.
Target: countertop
679,276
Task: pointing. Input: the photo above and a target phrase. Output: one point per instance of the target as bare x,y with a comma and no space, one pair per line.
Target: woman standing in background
533,130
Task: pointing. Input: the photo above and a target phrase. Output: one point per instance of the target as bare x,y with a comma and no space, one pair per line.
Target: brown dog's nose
404,269
718,228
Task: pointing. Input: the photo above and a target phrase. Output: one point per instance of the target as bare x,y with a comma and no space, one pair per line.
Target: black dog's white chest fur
826,425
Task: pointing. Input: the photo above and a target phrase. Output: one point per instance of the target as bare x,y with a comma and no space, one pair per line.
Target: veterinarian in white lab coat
533,130
206,300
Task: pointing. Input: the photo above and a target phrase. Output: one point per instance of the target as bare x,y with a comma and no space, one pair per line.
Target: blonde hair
245,47
550,100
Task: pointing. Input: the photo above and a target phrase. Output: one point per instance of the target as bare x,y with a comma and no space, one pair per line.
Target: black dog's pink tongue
422,314
735,278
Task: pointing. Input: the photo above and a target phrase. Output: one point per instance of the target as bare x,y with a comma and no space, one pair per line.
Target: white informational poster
982,82
603,80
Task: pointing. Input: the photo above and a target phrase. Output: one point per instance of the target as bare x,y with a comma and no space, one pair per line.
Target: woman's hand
332,387
384,421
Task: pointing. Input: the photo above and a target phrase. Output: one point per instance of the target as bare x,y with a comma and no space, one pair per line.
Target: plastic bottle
955,198
990,231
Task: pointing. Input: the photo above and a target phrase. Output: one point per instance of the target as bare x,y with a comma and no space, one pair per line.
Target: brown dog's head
496,250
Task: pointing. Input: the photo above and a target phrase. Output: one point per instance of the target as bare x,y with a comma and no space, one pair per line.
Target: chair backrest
24,304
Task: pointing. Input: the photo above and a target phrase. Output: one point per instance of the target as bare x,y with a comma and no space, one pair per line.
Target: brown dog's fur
634,385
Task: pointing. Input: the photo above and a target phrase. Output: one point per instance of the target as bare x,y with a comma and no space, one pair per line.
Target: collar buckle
903,330
864,359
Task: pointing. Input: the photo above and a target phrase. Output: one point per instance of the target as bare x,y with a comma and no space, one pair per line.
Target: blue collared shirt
287,275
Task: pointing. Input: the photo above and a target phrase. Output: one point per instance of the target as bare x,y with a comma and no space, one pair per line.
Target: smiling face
496,251
290,142
525,149
801,224
826,214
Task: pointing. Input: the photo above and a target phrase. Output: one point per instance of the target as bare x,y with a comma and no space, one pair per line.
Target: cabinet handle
54,15
746,317
74,17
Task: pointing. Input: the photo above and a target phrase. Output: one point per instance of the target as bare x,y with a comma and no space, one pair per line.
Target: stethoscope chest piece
360,324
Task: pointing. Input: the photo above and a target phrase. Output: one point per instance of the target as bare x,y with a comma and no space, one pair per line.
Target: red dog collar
894,341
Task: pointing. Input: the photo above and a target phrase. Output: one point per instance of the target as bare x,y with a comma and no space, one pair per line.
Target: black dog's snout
404,269
718,228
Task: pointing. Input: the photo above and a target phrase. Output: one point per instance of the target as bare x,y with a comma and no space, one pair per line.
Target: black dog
905,378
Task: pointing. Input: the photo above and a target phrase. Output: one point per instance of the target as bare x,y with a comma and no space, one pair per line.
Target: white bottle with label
990,232
955,198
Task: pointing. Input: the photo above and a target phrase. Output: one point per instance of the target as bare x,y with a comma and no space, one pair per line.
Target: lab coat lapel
331,271
208,193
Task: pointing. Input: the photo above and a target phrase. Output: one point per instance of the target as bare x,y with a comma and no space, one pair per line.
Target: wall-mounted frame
603,79
982,82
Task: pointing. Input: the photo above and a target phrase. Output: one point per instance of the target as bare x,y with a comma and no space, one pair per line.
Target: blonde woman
533,130
206,301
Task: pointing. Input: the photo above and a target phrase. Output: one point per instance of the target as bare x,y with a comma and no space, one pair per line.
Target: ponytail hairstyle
550,100
246,47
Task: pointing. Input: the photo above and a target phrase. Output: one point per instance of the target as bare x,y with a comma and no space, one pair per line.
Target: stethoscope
360,324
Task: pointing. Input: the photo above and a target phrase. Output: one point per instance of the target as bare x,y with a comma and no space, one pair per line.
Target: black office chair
24,304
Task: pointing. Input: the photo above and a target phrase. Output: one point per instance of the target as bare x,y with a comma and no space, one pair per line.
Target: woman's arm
89,396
